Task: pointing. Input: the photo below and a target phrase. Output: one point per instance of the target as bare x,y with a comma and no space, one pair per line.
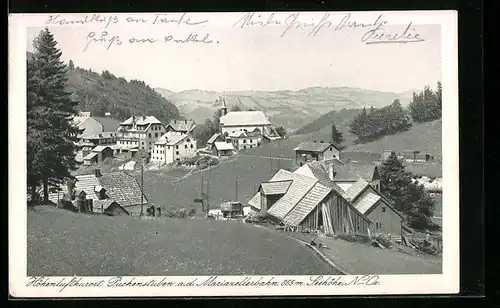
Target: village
126,179
321,196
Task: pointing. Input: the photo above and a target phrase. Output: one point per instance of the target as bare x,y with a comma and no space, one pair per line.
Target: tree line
376,122
426,105
104,92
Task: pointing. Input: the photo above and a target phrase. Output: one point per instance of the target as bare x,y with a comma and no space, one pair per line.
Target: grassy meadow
63,243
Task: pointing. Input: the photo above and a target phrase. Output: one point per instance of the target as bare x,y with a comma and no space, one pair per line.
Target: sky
251,57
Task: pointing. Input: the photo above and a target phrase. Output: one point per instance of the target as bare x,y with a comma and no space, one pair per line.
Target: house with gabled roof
211,141
245,121
181,126
98,155
87,125
316,151
309,199
302,201
222,148
349,173
378,209
139,133
173,146
243,140
115,186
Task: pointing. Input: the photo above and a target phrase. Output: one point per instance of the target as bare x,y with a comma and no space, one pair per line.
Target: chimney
321,141
331,173
97,173
314,141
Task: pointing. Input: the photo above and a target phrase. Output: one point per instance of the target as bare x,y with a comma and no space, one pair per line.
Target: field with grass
62,243
358,258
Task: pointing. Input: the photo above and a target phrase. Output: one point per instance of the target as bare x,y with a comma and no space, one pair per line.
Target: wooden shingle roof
122,188
312,199
275,187
354,171
313,147
299,188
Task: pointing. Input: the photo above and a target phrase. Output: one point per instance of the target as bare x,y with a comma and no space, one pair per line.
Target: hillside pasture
62,243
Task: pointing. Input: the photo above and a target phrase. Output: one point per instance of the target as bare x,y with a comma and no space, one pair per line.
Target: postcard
233,154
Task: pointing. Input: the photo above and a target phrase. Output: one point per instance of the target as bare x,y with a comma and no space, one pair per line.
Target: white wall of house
147,136
167,154
331,153
247,142
264,129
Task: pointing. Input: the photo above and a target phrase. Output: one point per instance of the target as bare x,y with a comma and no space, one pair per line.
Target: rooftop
100,148
170,138
353,171
182,125
239,118
313,146
275,187
102,135
142,120
119,186
353,192
222,146
213,138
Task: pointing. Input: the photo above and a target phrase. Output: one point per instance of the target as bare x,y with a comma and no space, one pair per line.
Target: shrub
351,237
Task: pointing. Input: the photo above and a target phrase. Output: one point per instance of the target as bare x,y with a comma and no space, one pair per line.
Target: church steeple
223,107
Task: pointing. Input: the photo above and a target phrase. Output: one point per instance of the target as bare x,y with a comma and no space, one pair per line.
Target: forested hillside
104,92
101,93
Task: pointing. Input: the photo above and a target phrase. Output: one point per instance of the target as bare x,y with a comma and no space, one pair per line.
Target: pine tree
71,65
337,136
281,131
51,134
409,198
394,181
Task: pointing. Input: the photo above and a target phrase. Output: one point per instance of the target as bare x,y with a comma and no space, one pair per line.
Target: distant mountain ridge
292,109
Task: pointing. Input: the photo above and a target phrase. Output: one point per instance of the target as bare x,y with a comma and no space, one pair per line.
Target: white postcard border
447,282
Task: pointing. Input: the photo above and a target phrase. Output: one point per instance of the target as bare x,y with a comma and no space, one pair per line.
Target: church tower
223,107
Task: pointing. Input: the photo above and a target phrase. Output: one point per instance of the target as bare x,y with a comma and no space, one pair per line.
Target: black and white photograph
244,153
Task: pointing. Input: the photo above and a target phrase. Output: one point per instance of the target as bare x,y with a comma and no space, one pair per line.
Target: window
244,141
331,149
177,147
244,147
191,146
383,209
149,135
187,140
176,152
156,135
185,146
168,147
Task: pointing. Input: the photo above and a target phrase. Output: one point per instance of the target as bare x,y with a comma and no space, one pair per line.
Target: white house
245,140
139,132
173,146
245,121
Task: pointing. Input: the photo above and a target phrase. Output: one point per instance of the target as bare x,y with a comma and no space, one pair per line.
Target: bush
350,237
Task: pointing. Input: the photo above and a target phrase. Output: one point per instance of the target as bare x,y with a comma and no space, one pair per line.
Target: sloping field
62,243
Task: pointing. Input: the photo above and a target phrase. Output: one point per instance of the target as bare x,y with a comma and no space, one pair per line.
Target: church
241,121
